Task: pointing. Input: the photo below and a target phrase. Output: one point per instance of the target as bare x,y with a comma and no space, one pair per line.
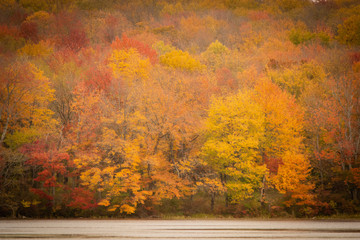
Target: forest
188,108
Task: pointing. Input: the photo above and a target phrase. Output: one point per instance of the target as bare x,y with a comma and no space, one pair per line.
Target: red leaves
43,175
60,58
29,30
75,40
143,49
98,78
42,194
52,163
70,32
354,57
272,164
82,199
10,31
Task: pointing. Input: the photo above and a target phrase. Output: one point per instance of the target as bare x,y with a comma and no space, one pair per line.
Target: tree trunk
355,195
212,201
5,130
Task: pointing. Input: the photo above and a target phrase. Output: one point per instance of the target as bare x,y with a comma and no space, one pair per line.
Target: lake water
178,229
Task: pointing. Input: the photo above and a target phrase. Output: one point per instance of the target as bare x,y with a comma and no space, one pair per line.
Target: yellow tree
234,133
215,55
129,65
178,59
25,95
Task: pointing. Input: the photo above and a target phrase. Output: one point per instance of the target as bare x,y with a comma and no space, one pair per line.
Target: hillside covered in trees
176,107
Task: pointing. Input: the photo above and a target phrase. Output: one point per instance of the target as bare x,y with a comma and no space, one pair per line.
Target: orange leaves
136,123
198,31
284,118
6,30
88,109
283,140
293,177
167,184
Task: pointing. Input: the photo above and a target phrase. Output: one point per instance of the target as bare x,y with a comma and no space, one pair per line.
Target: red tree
143,49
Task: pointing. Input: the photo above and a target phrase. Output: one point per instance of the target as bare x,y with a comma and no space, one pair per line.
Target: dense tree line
150,108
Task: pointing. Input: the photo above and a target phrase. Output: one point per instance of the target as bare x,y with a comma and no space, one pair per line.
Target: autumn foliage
153,108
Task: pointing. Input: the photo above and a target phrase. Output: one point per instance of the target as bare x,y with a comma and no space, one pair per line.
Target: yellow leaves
296,79
211,184
113,208
25,204
234,118
91,178
234,134
26,93
127,209
124,208
40,16
162,49
22,136
171,9
104,202
6,4
348,32
41,49
109,170
181,60
216,55
114,170
216,48
240,128
129,64
240,190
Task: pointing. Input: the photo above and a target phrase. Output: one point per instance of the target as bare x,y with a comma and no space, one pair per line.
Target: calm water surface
177,229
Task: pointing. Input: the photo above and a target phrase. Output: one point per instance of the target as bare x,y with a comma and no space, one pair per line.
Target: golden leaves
41,49
129,65
181,60
234,135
